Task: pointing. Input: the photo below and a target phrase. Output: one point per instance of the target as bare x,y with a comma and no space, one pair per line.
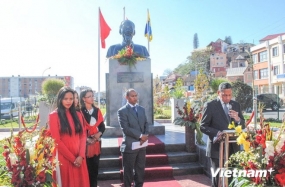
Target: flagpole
148,36
99,57
124,14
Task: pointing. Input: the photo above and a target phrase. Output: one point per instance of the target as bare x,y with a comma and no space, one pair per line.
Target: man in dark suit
217,115
133,122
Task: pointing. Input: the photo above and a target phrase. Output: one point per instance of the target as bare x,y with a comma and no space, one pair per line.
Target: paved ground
184,181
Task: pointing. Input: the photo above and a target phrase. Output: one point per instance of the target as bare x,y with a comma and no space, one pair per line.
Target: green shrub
162,116
50,88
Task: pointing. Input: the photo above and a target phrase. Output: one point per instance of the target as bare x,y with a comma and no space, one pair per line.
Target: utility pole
254,99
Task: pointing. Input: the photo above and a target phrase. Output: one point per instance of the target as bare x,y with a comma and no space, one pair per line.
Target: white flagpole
148,34
124,14
99,34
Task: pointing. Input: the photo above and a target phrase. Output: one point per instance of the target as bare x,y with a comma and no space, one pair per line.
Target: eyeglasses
91,96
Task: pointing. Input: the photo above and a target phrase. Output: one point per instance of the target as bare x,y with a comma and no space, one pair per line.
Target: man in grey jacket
133,122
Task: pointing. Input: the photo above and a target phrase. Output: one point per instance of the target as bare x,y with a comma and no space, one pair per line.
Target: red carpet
162,183
156,161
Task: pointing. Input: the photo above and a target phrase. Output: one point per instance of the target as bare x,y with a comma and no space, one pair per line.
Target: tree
201,60
215,82
178,91
228,40
201,84
167,72
195,41
184,69
243,94
50,88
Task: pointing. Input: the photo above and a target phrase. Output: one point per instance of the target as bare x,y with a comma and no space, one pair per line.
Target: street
268,113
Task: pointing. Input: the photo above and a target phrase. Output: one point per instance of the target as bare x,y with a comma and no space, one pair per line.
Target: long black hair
82,95
61,110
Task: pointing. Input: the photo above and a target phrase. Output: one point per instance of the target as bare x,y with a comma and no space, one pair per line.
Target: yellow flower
188,106
242,138
246,146
238,129
231,126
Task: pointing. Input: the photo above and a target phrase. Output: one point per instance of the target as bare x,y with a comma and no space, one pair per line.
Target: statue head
127,30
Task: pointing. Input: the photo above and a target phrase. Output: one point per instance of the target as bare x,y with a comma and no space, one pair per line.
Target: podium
230,137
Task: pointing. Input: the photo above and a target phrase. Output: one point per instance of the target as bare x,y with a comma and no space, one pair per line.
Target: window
274,51
263,73
275,70
249,77
256,75
262,56
283,48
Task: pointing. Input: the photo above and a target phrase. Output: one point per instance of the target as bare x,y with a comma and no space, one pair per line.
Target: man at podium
217,115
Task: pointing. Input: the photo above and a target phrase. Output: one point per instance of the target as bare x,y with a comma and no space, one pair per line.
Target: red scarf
93,149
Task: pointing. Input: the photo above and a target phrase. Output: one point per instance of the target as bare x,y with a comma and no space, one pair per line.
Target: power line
266,28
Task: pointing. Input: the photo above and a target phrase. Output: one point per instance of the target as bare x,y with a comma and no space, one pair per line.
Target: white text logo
240,173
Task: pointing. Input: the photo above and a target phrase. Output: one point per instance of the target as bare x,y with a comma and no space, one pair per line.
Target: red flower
6,154
251,165
280,179
16,176
41,177
282,170
29,175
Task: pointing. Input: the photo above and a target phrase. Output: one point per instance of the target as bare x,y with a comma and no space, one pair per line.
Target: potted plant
190,117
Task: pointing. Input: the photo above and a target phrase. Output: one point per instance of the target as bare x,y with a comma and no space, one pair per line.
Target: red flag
104,30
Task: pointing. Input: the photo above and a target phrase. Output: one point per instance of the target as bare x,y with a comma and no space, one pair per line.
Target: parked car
270,100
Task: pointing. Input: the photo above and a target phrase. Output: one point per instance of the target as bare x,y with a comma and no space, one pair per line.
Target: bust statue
127,30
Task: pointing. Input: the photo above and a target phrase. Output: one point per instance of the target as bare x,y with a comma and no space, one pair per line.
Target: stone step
175,147
110,151
173,157
181,157
178,169
187,168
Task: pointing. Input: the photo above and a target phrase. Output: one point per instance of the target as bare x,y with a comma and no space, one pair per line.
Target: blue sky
63,35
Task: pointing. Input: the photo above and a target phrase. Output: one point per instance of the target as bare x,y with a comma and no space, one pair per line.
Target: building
17,86
268,58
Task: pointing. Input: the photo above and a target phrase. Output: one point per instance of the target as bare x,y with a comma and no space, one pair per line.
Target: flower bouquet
127,56
190,116
262,161
29,159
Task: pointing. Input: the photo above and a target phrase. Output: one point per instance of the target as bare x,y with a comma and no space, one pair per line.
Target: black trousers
93,166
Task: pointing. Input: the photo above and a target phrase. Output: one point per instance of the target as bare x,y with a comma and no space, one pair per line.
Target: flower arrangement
263,150
190,116
127,56
29,159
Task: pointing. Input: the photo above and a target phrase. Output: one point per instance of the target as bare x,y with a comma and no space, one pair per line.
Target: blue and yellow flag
147,31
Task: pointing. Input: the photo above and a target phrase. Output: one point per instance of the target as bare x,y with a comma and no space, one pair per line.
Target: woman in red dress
95,128
66,126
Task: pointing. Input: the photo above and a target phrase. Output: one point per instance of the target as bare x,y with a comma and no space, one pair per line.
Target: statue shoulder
142,50
113,50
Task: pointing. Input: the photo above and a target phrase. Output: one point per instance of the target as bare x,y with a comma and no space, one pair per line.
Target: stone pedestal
44,110
122,77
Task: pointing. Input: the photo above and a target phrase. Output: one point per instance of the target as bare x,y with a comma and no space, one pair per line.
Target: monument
122,77
127,30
